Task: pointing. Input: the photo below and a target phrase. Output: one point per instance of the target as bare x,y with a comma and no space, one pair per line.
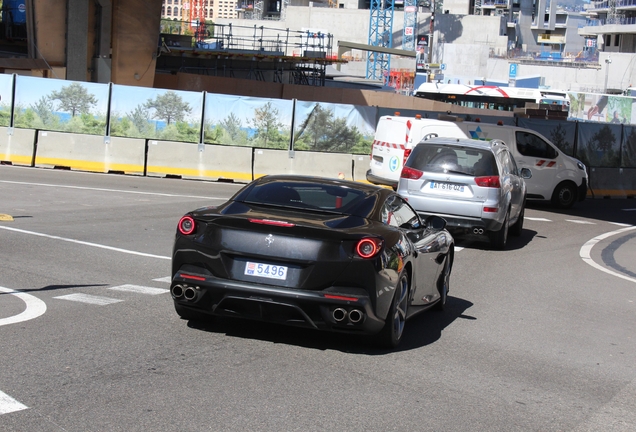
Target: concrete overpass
92,40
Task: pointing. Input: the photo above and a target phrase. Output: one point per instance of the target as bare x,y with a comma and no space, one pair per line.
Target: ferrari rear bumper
331,309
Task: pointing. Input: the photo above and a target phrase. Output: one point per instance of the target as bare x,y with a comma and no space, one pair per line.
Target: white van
555,176
394,138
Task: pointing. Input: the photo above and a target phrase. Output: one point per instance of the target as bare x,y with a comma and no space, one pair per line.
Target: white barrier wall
90,153
360,167
208,162
16,145
333,165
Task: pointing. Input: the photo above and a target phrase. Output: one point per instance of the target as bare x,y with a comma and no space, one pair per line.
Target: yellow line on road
5,218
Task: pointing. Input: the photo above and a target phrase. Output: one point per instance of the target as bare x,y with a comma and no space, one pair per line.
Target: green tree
312,130
169,107
266,124
140,118
75,99
629,149
600,150
559,138
322,131
44,109
233,126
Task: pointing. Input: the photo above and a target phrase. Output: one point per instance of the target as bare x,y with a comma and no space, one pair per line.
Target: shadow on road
57,287
421,330
609,210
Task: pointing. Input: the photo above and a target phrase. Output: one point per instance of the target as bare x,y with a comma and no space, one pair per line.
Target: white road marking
113,190
140,289
8,404
634,209
85,243
34,307
90,299
580,222
620,224
537,219
586,249
458,248
166,279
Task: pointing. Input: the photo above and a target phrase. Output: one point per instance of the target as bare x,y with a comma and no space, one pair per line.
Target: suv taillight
411,173
489,181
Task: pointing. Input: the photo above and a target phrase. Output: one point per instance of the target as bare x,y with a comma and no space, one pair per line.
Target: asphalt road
540,337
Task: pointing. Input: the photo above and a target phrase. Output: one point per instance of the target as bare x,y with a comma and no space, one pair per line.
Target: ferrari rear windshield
306,195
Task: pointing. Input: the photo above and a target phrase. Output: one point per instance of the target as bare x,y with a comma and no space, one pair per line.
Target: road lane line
140,289
580,222
586,250
166,279
9,405
113,190
85,243
34,307
537,219
88,298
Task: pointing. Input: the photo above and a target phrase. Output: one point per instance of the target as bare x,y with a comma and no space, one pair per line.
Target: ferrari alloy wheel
391,334
443,285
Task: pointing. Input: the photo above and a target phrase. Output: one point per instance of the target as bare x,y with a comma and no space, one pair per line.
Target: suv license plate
266,270
451,187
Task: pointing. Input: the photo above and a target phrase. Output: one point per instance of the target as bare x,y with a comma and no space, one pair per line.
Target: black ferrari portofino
314,252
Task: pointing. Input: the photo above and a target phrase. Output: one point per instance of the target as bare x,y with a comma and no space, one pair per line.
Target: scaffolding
380,35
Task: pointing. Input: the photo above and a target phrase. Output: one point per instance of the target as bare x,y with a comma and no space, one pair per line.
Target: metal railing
258,39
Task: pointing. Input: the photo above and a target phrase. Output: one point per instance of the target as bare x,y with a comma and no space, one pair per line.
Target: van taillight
411,173
490,181
407,152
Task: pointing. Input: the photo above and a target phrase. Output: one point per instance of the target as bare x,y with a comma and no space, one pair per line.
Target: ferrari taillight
368,247
186,225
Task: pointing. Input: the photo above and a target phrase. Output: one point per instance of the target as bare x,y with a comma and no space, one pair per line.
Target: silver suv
474,185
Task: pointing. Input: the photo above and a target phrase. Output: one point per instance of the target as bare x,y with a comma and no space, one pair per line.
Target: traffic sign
512,72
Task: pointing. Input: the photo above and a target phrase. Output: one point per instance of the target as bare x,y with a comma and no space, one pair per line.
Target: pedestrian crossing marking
140,289
88,298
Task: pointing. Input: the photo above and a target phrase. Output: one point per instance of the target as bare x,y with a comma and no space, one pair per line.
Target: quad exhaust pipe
478,230
355,316
186,292
341,314
177,291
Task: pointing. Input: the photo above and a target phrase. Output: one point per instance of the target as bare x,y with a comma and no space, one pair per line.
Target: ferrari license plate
450,187
266,270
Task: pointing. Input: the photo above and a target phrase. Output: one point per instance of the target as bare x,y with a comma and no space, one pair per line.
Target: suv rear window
459,160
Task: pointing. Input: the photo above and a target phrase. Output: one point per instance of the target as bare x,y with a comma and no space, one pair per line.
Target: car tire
443,285
391,335
517,228
564,195
498,239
